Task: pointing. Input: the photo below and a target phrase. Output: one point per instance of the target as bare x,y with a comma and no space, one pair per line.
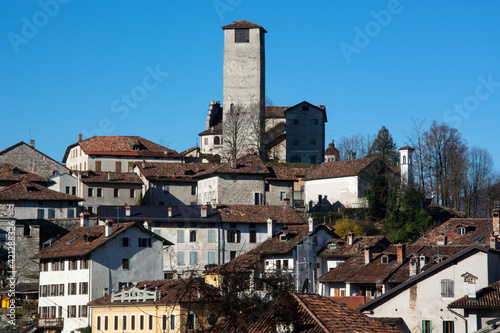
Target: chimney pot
350,238
368,255
32,143
169,211
214,204
312,224
401,252
270,228
127,210
108,228
84,219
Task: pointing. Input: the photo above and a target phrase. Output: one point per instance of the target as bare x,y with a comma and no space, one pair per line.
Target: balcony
51,322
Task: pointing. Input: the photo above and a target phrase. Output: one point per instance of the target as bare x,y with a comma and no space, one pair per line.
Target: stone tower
244,88
406,164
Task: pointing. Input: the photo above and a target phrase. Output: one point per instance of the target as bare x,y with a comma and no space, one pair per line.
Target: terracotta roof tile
29,191
178,172
343,249
276,111
352,302
243,24
89,177
11,173
340,168
295,235
259,214
488,297
247,164
281,173
83,240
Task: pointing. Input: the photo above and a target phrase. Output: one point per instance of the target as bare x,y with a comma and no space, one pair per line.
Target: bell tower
244,87
406,164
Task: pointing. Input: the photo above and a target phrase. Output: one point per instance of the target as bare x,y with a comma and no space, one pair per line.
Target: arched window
216,140
404,159
231,108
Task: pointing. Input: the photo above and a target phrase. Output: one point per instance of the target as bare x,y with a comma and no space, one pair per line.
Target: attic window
384,260
15,171
461,231
305,107
332,246
136,147
283,238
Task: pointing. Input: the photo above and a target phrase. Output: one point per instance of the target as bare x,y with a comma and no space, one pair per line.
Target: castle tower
244,88
406,164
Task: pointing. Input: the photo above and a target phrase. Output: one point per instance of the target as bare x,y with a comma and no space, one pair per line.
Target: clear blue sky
65,69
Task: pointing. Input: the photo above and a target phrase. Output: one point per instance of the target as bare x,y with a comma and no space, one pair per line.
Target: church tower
406,164
244,88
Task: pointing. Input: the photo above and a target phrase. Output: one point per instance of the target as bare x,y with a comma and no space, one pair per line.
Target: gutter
461,317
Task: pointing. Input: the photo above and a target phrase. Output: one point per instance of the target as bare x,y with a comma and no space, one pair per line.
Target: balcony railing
51,322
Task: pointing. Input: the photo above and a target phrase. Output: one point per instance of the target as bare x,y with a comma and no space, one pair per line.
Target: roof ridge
311,313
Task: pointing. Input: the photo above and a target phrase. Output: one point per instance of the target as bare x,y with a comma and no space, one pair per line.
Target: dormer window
461,231
384,259
283,238
136,147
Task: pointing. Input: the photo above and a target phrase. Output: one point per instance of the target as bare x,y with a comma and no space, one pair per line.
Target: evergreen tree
384,147
377,194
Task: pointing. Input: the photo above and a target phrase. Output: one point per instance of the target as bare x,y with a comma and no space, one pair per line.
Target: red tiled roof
276,111
488,297
259,214
358,245
295,235
406,148
29,191
171,291
178,172
249,164
340,168
281,173
89,177
214,130
83,240
243,24
134,146
11,173
243,263
27,145
352,302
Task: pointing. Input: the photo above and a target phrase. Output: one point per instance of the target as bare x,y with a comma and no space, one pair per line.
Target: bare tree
235,130
480,176
354,146
416,140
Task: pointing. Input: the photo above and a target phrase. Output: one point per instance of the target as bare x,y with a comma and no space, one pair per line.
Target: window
71,213
426,326
84,288
106,323
448,326
164,322
305,107
124,323
73,190
313,142
97,166
115,322
132,193
211,236
144,242
193,258
125,264
61,290
216,140
150,322
205,141
84,263
447,288
384,260
282,196
130,166
98,323
253,236
211,258
285,264
73,265
115,193
67,189
232,255
312,159
132,322
295,121
83,311
404,159
44,266
99,192
233,236
172,322
460,230
180,258
192,236
72,288
141,322
90,210
53,289
257,199
241,35
295,142
180,236
125,241
41,213
90,192
72,313
314,121
190,321
55,265
118,166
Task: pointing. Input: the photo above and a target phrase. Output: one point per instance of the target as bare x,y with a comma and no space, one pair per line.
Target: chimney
84,219
214,204
470,286
127,210
441,240
423,262
401,252
109,176
203,211
413,266
286,201
494,243
169,211
108,228
232,163
350,238
368,255
146,225
79,138
144,164
270,228
496,221
32,143
312,224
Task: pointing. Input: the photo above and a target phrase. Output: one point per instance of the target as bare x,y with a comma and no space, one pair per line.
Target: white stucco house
423,301
90,262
